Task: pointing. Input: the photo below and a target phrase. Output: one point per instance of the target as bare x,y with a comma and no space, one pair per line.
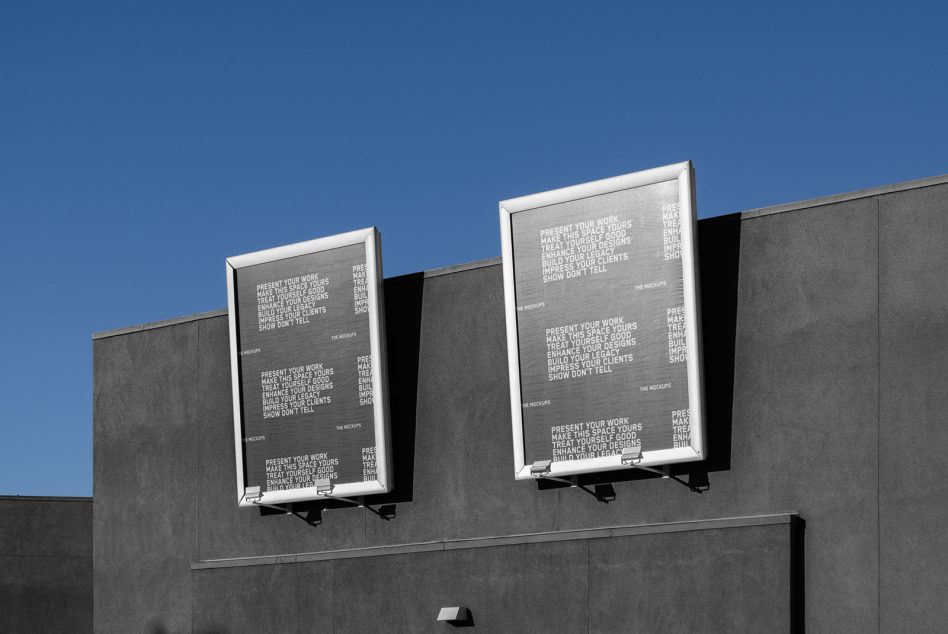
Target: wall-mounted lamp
458,615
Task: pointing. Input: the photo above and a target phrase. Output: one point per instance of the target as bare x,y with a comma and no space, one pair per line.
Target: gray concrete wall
686,577
45,564
913,401
824,325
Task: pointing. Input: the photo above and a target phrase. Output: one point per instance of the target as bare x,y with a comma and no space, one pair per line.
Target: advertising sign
308,366
603,325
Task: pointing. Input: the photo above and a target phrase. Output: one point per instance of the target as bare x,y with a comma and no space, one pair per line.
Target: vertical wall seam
93,480
556,510
301,589
197,506
332,595
878,413
197,514
588,577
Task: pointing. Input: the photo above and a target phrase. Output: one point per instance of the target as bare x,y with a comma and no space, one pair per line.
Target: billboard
307,341
603,332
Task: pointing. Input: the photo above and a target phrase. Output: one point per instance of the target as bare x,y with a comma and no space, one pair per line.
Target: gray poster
306,370
600,313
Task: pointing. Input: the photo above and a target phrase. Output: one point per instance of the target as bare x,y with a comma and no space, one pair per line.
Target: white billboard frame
372,240
684,174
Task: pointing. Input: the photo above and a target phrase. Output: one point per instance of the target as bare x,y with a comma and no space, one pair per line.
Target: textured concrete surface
806,396
727,580
537,587
45,564
697,578
285,599
913,439
824,377
145,488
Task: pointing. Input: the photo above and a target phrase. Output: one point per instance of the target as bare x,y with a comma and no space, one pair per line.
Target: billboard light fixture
324,486
540,468
632,455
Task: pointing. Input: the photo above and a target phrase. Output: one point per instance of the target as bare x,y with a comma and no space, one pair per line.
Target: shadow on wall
797,574
719,249
403,299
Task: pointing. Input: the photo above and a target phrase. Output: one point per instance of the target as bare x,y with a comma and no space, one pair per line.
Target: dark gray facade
45,564
824,326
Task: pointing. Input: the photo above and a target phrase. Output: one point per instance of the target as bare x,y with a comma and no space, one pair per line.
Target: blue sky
141,144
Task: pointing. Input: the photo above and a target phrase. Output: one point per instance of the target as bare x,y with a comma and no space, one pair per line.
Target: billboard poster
308,370
602,324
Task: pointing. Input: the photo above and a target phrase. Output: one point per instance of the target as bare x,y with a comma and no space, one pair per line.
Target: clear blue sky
141,144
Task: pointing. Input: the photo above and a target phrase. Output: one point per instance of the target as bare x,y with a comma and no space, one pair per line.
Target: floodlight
324,486
540,467
252,494
632,455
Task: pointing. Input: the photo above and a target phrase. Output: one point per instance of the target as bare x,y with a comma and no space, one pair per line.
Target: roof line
458,268
221,312
869,192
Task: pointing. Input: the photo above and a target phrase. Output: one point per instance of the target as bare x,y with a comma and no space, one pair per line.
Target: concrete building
823,504
45,564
